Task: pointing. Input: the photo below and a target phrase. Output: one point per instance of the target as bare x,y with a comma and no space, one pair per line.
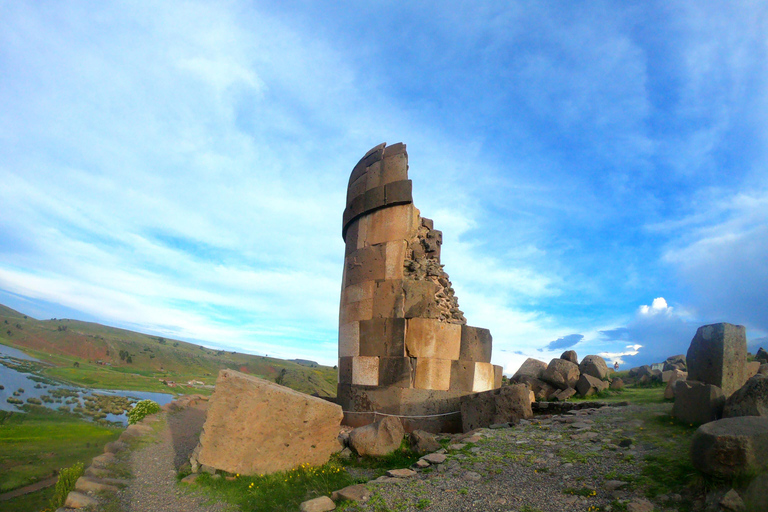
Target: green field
34,445
94,355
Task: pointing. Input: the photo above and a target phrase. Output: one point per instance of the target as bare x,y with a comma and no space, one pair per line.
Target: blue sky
598,169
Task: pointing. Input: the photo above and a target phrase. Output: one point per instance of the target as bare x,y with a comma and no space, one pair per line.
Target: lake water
13,380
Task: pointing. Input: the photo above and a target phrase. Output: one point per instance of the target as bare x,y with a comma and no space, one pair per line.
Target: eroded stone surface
255,426
717,355
731,446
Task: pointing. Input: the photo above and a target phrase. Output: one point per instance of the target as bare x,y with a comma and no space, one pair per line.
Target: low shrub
65,484
141,410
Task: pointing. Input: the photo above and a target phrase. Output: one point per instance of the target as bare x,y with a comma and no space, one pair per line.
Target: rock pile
563,377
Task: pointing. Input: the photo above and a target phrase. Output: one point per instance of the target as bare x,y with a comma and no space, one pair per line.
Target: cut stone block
382,337
397,371
420,299
388,299
731,446
390,224
718,355
696,402
508,404
394,253
395,168
366,264
749,400
498,373
432,373
472,376
476,344
372,176
432,339
349,339
357,292
360,370
356,311
254,426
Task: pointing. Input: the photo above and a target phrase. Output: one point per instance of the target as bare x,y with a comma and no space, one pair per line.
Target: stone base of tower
418,409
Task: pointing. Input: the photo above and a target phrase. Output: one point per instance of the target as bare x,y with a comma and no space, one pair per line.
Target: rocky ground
584,460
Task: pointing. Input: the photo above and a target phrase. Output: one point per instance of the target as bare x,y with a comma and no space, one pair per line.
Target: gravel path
154,486
549,464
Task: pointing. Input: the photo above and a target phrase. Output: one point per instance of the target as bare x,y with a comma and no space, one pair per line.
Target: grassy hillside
95,355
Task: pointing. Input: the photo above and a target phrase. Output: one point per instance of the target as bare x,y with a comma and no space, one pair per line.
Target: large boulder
378,438
640,371
594,366
508,404
718,355
761,355
589,385
424,442
669,392
753,368
255,426
749,400
731,446
531,367
570,355
755,497
561,374
696,402
675,363
540,389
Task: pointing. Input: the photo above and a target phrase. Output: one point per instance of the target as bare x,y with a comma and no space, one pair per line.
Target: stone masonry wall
404,345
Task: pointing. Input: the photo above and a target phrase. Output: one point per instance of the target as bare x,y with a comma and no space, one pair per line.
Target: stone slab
432,339
731,446
696,402
476,344
717,355
384,337
254,426
472,376
432,373
349,339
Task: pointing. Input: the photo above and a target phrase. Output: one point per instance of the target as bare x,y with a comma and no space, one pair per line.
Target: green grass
35,444
636,395
39,500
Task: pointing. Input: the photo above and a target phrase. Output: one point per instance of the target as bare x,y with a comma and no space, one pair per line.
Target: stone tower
404,346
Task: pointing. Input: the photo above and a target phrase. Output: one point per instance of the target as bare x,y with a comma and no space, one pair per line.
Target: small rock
625,443
190,479
383,480
614,485
321,504
401,473
732,501
86,484
473,439
115,447
79,500
639,505
456,446
357,492
472,476
421,464
435,458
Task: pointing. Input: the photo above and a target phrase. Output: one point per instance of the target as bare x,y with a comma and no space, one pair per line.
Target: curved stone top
379,180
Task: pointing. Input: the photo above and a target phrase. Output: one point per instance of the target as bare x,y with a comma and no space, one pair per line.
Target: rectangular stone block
396,371
476,344
357,292
398,192
254,426
432,374
697,402
420,299
498,373
359,370
349,339
388,299
425,337
357,188
390,224
350,238
394,259
356,311
394,149
718,355
394,168
374,198
382,337
373,176
366,264
472,376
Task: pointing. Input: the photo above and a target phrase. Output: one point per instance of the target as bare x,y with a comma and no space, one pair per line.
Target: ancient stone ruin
404,345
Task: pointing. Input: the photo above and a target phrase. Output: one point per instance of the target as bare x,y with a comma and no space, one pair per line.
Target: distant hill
96,355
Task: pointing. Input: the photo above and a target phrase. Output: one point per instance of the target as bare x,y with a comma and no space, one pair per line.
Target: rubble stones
589,385
378,438
358,492
594,366
561,374
749,400
731,446
717,355
675,363
321,504
423,442
254,426
696,402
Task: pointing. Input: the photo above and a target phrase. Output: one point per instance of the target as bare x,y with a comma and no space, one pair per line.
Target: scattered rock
731,446
617,384
456,446
255,426
423,442
614,485
594,366
190,479
750,400
761,355
359,493
732,501
717,356
697,402
508,404
675,363
531,367
669,392
88,484
472,476
589,385
639,505
321,504
561,374
378,438
79,500
401,473
564,394
421,464
570,355
435,458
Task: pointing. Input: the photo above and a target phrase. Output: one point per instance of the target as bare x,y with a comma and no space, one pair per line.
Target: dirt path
154,485
42,484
